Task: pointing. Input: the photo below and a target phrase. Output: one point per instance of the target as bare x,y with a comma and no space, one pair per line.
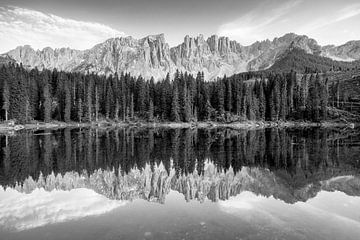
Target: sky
81,24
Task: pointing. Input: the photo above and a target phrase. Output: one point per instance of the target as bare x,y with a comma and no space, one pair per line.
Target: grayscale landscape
179,119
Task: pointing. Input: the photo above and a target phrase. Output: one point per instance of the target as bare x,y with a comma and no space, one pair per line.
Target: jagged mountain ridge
152,57
154,184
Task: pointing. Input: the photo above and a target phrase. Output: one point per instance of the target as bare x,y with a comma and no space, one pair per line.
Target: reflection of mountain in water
291,165
154,185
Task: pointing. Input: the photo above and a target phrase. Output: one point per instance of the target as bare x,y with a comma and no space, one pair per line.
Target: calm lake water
180,184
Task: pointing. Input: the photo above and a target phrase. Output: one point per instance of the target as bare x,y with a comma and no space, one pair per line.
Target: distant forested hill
298,60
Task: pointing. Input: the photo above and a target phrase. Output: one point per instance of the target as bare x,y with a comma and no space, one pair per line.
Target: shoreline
5,127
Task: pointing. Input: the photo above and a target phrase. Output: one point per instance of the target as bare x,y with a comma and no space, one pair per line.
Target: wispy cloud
250,26
331,18
274,18
19,26
348,12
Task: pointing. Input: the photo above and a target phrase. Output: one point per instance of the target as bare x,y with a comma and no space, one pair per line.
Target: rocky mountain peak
151,56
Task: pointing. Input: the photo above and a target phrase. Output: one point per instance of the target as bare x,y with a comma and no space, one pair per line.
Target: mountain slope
298,60
349,51
152,57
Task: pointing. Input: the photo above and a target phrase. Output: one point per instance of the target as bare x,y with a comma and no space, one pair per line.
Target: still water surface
180,184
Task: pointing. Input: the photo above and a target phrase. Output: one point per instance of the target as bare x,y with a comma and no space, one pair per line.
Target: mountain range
155,184
151,56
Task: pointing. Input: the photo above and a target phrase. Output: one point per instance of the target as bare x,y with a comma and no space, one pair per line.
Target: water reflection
288,164
211,183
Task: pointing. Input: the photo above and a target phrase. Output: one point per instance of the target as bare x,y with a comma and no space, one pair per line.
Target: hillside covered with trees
298,60
52,95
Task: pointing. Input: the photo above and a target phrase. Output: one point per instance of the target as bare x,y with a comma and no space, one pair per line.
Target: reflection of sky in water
20,211
330,215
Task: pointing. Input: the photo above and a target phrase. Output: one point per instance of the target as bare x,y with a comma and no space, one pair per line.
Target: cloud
20,211
249,27
331,18
19,26
348,12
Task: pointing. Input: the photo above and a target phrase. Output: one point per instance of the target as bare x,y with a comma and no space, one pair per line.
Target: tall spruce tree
67,110
175,116
6,98
46,97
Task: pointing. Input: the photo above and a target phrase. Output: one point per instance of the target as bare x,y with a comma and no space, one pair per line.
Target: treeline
53,95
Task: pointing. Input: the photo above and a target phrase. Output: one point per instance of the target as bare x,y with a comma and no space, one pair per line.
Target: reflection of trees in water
297,156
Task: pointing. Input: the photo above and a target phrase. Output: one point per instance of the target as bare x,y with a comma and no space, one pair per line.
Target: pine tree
228,101
237,92
220,97
151,110
140,95
132,106
283,99
67,110
97,104
291,83
262,101
175,117
34,96
187,106
18,94
109,101
165,97
80,110
324,95
208,110
46,98
6,99
89,98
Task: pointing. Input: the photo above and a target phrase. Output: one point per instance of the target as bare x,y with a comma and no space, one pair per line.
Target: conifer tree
283,99
151,110
220,97
208,110
6,98
18,94
97,104
228,95
132,106
79,110
187,106
262,102
109,101
89,98
324,96
175,117
46,98
67,110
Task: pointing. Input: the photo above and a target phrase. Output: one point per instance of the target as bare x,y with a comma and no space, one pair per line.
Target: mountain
349,51
298,60
6,60
152,57
155,184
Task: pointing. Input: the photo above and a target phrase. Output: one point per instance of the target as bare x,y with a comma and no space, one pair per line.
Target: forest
47,96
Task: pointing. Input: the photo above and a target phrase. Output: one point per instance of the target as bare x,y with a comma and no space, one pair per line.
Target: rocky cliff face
152,57
148,57
349,51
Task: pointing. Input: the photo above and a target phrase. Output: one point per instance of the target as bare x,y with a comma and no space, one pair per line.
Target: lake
144,183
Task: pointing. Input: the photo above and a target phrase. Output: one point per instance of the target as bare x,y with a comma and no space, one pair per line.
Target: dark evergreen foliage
53,95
